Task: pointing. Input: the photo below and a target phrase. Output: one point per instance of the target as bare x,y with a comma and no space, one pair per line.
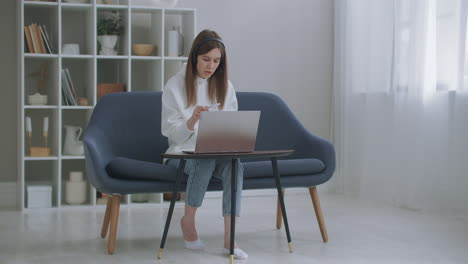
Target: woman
202,86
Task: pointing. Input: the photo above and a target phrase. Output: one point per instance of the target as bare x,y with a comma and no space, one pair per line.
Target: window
465,66
451,44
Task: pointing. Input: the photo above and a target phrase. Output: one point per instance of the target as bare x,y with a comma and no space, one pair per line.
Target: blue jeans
200,172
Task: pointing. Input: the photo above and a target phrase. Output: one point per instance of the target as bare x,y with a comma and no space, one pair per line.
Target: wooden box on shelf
107,88
39,152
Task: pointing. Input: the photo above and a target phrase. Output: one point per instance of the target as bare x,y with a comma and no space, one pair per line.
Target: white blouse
174,114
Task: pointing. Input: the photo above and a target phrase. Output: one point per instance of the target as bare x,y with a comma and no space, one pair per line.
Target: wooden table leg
180,174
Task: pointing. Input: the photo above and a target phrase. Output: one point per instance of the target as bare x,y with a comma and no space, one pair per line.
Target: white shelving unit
77,23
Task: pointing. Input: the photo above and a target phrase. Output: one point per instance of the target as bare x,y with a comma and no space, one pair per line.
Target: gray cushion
131,169
297,167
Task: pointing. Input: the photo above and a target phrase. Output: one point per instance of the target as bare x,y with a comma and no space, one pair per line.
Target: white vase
71,145
75,188
108,43
172,43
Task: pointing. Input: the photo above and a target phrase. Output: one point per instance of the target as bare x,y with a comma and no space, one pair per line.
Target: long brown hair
218,82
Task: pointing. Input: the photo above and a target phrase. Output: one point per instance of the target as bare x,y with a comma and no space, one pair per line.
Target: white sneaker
195,245
238,253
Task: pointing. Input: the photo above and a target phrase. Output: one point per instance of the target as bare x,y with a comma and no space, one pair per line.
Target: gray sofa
123,143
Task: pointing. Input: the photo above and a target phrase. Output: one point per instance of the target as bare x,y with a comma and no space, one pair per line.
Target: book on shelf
37,39
46,41
65,90
28,37
69,95
75,96
34,39
37,36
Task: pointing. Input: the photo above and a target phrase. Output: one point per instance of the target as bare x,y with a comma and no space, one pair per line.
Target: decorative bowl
143,49
37,99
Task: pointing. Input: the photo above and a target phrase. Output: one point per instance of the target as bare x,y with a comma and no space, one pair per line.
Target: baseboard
8,195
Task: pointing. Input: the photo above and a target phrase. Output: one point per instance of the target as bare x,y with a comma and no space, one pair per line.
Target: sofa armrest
313,146
98,153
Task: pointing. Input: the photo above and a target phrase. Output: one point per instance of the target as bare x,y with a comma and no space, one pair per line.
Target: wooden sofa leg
279,214
105,224
114,221
318,213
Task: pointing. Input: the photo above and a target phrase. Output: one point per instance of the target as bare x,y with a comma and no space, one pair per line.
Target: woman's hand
196,116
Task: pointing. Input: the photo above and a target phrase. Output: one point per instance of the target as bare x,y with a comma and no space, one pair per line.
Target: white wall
8,92
283,47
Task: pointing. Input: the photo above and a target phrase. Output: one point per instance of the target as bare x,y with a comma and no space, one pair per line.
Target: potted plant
109,29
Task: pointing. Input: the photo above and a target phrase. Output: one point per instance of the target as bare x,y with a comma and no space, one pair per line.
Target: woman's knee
203,165
227,163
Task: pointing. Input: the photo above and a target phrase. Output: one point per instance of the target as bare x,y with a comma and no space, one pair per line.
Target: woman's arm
173,123
231,99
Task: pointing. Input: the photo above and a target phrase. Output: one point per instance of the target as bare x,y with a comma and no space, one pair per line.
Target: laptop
226,131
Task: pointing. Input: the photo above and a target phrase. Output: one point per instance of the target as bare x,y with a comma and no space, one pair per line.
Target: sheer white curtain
401,102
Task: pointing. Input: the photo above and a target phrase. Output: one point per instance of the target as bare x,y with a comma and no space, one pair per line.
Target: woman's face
208,63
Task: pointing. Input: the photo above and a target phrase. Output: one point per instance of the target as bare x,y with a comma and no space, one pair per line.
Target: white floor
359,232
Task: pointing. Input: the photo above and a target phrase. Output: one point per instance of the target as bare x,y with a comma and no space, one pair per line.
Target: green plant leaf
111,25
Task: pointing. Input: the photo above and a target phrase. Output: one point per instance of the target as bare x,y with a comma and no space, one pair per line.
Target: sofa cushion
296,167
131,169
125,168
